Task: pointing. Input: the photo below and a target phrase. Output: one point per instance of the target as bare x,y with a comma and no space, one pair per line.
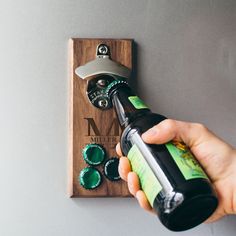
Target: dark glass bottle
173,181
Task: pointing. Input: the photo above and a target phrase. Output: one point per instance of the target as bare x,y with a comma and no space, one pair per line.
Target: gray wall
186,69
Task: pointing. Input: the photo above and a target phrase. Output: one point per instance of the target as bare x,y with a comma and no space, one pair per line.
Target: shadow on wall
226,224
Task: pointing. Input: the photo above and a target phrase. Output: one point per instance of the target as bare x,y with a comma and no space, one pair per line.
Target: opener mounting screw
103,49
103,103
102,82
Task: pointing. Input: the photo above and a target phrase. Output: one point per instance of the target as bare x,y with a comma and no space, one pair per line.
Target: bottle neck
128,106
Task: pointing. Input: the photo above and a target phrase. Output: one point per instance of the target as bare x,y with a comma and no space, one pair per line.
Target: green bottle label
187,164
148,182
137,102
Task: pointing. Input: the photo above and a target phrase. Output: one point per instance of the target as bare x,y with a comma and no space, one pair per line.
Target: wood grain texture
82,51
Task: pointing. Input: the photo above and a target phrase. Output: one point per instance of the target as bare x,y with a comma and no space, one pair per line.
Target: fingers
143,202
124,165
133,183
118,149
134,188
124,168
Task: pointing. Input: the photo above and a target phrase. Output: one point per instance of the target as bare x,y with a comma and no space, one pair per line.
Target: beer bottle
174,182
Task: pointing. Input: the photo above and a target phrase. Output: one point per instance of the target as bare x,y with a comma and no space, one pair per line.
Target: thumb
191,134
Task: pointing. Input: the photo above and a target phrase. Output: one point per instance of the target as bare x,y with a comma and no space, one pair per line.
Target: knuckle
169,125
200,127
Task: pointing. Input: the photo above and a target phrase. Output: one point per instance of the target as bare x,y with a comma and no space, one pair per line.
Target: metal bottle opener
99,73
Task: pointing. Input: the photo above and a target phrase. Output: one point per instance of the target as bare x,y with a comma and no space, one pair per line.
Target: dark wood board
83,114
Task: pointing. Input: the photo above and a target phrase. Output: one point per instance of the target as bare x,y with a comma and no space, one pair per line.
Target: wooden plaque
89,124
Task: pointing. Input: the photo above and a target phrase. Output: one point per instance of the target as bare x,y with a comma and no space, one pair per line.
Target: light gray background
186,69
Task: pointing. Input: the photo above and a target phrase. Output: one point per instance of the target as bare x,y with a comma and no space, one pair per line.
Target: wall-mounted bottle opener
94,129
99,73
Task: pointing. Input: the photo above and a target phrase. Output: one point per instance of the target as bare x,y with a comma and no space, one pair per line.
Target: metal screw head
103,103
102,82
103,49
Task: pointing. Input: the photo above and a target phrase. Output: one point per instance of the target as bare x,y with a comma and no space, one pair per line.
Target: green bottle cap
93,154
113,84
90,178
111,169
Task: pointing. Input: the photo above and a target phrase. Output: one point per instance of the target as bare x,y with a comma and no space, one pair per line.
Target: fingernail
136,194
150,132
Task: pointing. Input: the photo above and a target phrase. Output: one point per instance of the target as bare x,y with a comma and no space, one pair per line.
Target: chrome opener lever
99,73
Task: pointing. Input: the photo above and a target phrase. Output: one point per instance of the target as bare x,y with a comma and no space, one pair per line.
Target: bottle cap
111,169
93,154
113,84
90,178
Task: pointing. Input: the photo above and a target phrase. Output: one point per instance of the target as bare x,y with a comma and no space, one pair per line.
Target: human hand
217,158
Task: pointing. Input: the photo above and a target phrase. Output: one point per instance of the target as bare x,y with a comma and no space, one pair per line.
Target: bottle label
188,165
137,102
148,182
